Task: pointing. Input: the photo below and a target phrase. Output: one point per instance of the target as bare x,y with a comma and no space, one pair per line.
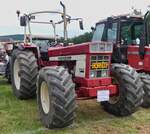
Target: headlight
98,74
104,73
92,74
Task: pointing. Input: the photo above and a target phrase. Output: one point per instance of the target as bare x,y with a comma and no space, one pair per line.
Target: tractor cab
123,31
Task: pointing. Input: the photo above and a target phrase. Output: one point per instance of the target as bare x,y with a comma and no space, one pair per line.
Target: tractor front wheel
56,97
130,87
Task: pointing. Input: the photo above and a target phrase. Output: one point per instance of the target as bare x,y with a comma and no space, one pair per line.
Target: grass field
21,117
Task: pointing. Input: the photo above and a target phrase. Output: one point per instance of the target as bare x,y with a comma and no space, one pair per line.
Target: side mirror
23,21
81,25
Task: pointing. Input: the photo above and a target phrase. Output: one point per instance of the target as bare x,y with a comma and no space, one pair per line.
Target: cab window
112,33
148,28
98,33
103,33
131,33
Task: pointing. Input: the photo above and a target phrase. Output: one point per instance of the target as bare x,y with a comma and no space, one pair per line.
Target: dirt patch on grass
143,129
104,129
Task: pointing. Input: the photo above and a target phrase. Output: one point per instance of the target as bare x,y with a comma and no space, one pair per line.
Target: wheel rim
16,74
45,101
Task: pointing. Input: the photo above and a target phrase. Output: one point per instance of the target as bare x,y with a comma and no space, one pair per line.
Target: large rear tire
146,80
130,87
56,97
24,72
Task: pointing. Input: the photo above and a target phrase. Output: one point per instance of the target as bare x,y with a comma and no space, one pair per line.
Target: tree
86,37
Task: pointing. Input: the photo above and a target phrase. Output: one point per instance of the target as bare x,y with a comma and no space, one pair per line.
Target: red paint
69,50
47,63
77,49
92,92
134,58
92,82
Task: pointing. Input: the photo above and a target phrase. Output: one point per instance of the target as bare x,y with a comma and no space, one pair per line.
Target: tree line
86,37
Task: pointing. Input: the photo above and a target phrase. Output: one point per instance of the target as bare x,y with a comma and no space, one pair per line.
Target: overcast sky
90,10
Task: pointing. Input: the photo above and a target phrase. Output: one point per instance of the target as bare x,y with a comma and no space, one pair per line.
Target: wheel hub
45,101
16,75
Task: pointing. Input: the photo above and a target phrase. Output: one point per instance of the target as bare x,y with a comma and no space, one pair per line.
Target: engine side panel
80,63
135,61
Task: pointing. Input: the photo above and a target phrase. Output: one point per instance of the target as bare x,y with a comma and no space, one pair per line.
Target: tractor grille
99,66
101,47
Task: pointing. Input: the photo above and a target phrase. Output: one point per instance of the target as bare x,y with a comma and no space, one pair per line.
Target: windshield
40,42
103,33
98,33
43,44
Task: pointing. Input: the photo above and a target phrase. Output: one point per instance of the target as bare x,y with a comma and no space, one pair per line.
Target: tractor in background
130,35
3,60
62,72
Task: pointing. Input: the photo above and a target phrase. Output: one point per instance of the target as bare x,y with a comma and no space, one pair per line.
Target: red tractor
60,74
130,35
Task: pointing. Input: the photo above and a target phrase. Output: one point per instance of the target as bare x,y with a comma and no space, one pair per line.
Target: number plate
99,65
103,95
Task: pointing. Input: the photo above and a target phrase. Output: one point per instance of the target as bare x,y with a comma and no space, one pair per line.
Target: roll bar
26,19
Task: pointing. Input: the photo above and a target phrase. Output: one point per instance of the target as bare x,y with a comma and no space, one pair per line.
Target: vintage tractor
60,74
3,60
130,35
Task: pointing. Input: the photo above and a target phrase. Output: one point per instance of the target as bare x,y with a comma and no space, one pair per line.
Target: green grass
21,117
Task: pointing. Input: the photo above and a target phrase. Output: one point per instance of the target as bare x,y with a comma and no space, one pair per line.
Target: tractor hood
84,48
